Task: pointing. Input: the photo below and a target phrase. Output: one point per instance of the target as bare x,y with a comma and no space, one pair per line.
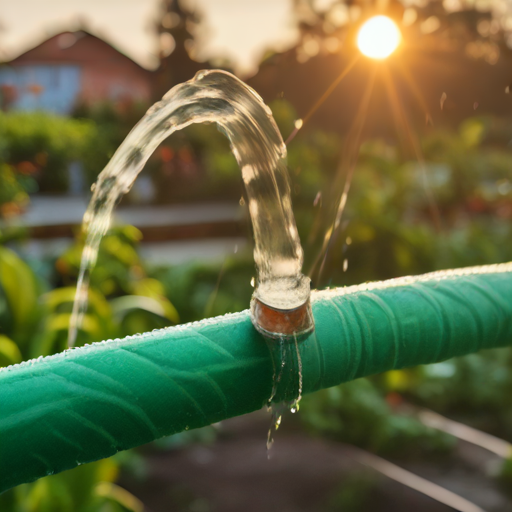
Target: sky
238,29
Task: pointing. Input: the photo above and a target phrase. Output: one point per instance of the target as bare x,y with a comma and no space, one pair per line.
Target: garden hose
90,402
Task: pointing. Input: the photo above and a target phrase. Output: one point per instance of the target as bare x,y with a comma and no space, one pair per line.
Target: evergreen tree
177,28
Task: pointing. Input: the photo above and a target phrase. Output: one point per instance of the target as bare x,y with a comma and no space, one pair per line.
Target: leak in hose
90,402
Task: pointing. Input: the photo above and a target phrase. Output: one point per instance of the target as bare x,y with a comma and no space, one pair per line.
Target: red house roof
78,65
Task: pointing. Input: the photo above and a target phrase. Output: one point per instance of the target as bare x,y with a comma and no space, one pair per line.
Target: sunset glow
378,38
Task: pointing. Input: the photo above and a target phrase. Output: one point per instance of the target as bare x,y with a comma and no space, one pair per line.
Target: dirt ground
234,474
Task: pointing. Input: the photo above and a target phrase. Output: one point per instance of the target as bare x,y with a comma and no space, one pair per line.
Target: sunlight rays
378,37
378,45
348,166
402,123
301,122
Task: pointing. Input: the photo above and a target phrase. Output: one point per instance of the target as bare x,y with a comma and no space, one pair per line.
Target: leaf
158,306
122,251
59,297
119,495
60,322
123,305
19,286
148,287
9,352
49,495
155,290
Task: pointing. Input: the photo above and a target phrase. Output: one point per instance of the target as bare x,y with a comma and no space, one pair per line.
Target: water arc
240,113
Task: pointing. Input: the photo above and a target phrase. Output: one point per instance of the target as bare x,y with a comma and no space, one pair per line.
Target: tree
454,60
481,33
177,28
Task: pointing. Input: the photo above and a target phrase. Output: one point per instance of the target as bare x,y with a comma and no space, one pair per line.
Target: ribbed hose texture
88,403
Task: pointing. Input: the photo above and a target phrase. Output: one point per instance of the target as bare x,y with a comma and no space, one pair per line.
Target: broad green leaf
49,495
120,250
60,322
59,297
9,352
123,305
119,495
19,286
155,289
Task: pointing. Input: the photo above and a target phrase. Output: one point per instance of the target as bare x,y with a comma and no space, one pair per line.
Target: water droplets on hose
211,97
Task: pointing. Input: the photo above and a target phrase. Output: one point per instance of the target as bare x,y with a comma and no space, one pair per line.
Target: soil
303,474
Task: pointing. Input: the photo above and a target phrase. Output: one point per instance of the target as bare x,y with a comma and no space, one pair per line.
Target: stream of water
286,359
211,97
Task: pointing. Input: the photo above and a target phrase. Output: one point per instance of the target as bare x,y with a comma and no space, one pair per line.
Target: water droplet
298,124
252,282
345,265
270,442
242,201
442,100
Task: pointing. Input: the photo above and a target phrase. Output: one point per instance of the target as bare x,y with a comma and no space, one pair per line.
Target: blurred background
421,144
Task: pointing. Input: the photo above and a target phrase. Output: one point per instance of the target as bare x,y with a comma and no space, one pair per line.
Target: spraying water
211,97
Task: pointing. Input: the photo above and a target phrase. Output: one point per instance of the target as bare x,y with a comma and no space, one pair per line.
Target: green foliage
200,290
9,352
123,299
477,382
195,164
13,194
356,413
405,217
506,474
97,324
87,488
284,115
43,145
37,148
118,262
33,323
353,494
19,292
137,302
112,121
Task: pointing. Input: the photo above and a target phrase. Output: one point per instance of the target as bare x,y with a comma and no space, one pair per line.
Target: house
68,69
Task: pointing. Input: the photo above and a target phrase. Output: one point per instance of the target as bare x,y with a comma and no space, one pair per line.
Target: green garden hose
91,402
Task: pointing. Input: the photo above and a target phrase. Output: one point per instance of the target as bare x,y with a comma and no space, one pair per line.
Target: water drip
287,382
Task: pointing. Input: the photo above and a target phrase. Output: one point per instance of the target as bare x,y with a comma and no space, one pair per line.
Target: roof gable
73,47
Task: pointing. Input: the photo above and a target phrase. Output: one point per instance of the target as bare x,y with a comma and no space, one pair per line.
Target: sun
378,38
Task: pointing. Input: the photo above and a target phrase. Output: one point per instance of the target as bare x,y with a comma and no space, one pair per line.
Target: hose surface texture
88,403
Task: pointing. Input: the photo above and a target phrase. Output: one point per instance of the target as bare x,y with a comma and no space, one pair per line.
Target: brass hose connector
282,323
